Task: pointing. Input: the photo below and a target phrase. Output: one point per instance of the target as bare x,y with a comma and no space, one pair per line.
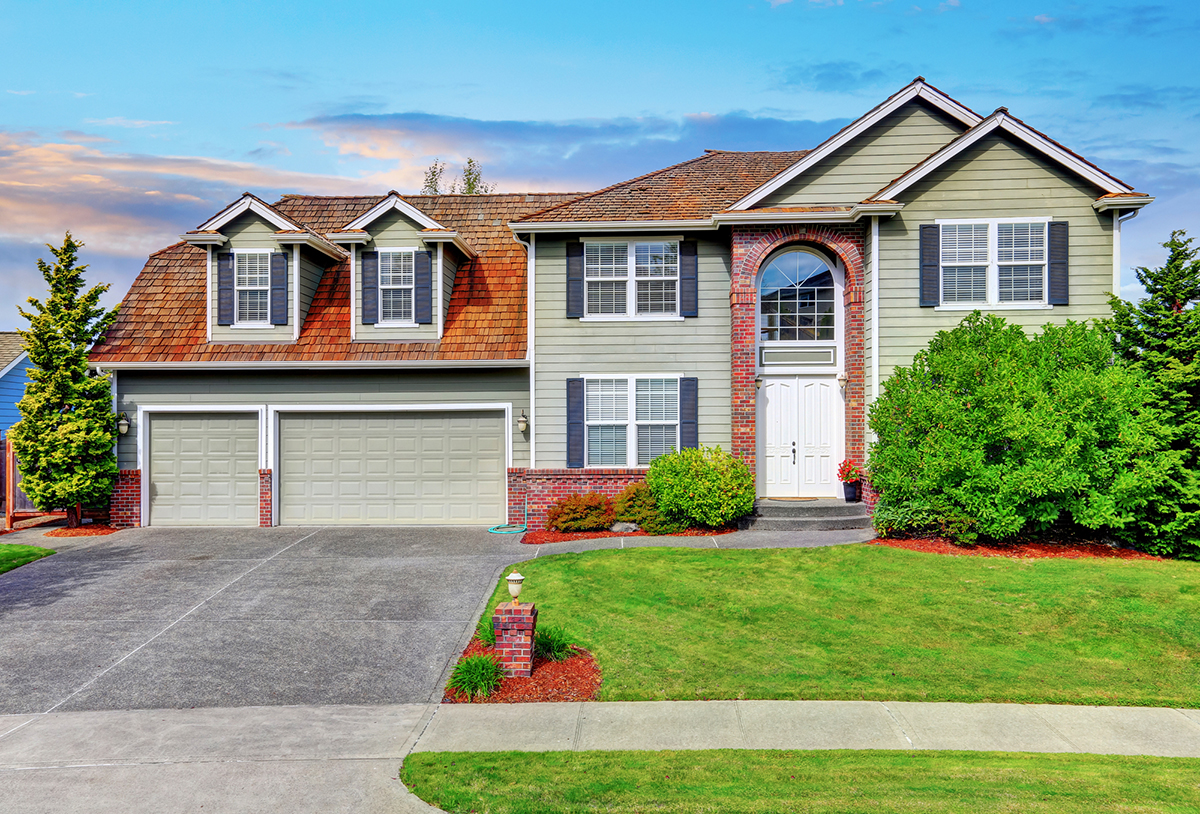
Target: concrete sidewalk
654,725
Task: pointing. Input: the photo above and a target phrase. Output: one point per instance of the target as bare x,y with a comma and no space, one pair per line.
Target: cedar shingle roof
692,190
162,318
11,346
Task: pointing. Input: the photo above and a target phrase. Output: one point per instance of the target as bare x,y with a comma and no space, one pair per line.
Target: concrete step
759,523
823,507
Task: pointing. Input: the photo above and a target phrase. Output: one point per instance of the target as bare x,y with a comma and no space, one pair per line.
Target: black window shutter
688,279
370,288
931,276
423,288
279,298
689,413
1059,283
575,425
574,280
225,288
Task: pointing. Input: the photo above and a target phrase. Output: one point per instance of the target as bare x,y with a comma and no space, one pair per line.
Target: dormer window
396,282
252,286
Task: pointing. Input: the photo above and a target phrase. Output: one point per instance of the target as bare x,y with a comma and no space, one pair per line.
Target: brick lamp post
514,625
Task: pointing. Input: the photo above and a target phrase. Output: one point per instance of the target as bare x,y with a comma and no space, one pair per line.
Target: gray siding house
471,359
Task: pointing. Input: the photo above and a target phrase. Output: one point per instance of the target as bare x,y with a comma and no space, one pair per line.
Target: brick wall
125,506
545,487
751,246
514,626
869,496
264,498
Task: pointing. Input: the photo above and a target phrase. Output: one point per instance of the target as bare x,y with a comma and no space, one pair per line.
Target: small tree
64,439
472,180
471,183
433,178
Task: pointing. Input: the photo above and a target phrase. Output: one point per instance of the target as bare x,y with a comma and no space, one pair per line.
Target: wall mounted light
123,423
758,384
842,379
514,586
522,422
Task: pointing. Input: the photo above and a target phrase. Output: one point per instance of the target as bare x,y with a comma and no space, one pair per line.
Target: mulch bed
573,679
90,530
547,536
1024,550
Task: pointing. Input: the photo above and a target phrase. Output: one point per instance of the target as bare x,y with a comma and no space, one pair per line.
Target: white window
252,287
994,262
630,421
626,279
396,285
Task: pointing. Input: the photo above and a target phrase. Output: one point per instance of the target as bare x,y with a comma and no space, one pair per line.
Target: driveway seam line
898,724
1056,731
103,672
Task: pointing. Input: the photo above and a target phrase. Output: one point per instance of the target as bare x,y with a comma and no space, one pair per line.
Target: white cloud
21,92
121,121
1043,19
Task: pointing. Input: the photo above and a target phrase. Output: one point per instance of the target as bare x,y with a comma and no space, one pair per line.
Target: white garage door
392,468
203,469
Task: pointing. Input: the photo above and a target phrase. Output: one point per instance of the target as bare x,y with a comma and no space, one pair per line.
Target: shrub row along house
464,359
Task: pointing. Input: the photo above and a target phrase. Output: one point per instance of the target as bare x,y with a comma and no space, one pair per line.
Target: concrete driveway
182,618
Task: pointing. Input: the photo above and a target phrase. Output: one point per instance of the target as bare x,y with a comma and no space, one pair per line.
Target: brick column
514,626
264,498
125,506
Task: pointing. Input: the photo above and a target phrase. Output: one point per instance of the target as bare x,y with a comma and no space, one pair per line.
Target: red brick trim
545,487
869,496
125,506
264,499
514,626
751,246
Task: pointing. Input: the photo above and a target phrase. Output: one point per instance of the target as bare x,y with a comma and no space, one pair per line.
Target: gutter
851,214
339,364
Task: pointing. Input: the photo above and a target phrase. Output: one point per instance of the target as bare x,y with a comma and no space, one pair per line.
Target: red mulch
573,679
548,536
1029,550
90,530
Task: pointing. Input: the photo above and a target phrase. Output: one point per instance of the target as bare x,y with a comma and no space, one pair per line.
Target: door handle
793,453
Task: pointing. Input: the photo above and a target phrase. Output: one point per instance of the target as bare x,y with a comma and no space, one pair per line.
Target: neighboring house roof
163,318
693,190
12,348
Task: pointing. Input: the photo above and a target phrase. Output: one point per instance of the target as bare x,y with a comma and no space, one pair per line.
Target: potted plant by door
851,477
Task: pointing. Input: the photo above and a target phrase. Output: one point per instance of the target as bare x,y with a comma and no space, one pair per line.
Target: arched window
797,298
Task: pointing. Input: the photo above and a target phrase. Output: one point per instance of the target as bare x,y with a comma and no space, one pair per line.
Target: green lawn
14,556
872,622
838,782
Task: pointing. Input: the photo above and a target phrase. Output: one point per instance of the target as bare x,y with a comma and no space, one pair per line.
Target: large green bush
706,486
636,504
991,432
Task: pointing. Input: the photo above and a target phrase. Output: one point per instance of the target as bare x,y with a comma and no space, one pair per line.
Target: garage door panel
203,469
392,468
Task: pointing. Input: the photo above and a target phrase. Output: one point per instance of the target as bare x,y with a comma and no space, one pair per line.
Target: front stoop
824,514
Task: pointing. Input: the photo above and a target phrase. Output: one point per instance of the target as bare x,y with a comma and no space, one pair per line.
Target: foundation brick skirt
125,507
539,489
514,626
264,498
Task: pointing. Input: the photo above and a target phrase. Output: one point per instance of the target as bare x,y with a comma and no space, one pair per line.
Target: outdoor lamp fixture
522,422
843,379
514,586
123,423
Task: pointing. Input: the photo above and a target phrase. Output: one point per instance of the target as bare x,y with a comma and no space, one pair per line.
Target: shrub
476,676
591,511
485,632
552,642
990,432
706,486
636,504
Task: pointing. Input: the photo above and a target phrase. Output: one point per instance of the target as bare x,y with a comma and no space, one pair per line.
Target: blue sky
129,123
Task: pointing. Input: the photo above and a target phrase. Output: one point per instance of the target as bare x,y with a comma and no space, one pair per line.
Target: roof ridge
166,249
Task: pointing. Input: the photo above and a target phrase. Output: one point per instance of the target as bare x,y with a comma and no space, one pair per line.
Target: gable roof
1002,121
163,318
917,89
287,229
691,191
12,350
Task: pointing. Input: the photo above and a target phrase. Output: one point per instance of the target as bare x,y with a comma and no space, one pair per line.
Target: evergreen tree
64,440
1161,335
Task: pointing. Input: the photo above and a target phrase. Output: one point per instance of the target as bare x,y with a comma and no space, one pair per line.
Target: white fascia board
609,226
857,128
251,204
451,237
334,364
332,252
1123,202
204,240
344,237
1021,132
387,205
851,215
9,367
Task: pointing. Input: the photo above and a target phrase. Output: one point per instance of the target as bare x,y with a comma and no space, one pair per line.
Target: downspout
530,250
441,285
874,308
1117,221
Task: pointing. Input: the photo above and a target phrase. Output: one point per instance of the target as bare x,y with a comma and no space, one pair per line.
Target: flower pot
852,490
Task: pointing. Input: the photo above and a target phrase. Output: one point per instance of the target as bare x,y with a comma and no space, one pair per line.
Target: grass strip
737,781
14,556
876,623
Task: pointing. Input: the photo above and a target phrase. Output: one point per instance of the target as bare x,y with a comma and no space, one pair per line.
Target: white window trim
992,303
379,287
257,325
837,343
631,281
631,422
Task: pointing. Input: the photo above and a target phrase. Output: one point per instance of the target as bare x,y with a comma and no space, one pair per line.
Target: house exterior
471,359
14,361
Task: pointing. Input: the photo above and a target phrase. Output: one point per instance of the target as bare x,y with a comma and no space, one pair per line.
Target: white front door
800,434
